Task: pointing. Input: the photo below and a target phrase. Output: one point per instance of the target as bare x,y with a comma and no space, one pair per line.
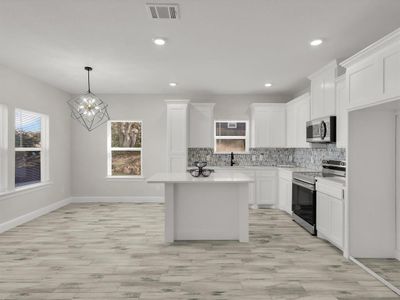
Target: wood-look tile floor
116,251
387,268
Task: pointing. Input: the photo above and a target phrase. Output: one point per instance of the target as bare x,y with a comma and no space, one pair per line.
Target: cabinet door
276,127
282,194
336,234
391,69
291,125
302,117
317,98
364,82
260,125
329,101
288,189
341,116
201,121
266,190
323,214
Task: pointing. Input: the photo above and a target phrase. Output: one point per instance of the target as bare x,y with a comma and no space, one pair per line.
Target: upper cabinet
341,112
201,123
268,125
297,115
373,74
323,91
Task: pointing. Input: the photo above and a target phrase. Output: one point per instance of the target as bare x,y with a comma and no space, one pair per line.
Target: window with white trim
124,147
3,147
231,136
31,148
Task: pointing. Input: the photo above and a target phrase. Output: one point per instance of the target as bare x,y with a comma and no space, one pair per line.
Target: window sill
25,189
125,178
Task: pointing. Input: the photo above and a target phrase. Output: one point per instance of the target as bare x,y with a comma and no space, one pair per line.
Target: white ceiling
217,47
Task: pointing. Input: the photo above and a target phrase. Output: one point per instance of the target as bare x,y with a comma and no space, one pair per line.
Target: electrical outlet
261,157
253,158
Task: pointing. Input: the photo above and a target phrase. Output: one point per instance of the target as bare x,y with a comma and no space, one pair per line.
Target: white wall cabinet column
297,115
323,91
268,125
177,135
201,125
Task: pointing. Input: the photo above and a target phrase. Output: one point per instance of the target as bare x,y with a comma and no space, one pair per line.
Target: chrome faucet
233,160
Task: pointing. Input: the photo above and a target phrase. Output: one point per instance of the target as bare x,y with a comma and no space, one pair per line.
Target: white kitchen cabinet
177,135
341,113
297,115
373,74
266,188
330,212
323,91
268,125
285,195
201,121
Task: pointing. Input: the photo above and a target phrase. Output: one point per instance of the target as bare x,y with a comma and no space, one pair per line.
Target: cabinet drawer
331,189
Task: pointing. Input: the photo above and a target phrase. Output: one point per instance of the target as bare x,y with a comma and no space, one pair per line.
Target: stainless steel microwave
322,130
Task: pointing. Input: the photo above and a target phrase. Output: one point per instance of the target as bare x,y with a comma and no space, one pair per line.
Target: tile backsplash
301,157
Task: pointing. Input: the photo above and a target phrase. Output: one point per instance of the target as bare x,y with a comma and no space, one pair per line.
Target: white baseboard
125,199
32,215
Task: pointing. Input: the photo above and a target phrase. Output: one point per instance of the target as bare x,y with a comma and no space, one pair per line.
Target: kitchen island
205,208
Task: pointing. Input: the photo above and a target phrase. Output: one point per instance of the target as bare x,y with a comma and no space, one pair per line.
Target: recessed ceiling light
268,84
316,42
159,41
173,84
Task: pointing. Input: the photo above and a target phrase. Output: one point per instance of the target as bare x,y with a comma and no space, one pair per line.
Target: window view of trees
27,148
126,148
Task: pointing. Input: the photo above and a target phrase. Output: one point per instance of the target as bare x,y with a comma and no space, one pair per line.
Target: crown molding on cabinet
391,38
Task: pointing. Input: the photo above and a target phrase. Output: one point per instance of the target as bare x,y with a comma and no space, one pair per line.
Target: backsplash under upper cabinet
301,157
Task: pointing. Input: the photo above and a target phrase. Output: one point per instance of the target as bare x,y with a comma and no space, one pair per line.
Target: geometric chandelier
89,109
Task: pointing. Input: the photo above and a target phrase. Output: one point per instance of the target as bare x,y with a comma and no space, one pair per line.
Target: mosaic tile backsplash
302,157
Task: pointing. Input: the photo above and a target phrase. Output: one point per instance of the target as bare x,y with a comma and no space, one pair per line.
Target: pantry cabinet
297,115
201,121
323,91
373,74
268,125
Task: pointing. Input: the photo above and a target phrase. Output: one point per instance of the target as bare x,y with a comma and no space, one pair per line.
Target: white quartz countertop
234,177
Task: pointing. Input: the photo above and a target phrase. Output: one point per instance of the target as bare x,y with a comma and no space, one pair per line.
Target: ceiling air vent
163,11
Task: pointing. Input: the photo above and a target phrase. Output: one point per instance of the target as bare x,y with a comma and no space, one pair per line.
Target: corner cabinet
201,119
373,74
177,135
268,125
323,91
297,115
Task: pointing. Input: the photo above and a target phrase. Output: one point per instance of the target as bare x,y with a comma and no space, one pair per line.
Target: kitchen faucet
233,160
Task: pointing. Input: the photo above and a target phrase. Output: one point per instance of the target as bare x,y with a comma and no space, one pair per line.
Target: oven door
304,203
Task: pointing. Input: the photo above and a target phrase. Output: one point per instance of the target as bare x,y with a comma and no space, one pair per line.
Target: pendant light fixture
89,109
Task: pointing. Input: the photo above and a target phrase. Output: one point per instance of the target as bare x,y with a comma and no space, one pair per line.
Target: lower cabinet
266,188
330,212
285,194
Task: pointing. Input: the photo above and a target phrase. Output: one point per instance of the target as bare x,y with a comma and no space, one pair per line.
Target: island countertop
232,177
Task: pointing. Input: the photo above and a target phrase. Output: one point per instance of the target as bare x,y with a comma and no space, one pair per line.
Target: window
125,148
231,136
31,148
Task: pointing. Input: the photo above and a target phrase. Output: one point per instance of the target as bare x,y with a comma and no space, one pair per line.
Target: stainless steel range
304,196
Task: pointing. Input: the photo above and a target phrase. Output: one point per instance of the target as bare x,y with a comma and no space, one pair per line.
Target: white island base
213,208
